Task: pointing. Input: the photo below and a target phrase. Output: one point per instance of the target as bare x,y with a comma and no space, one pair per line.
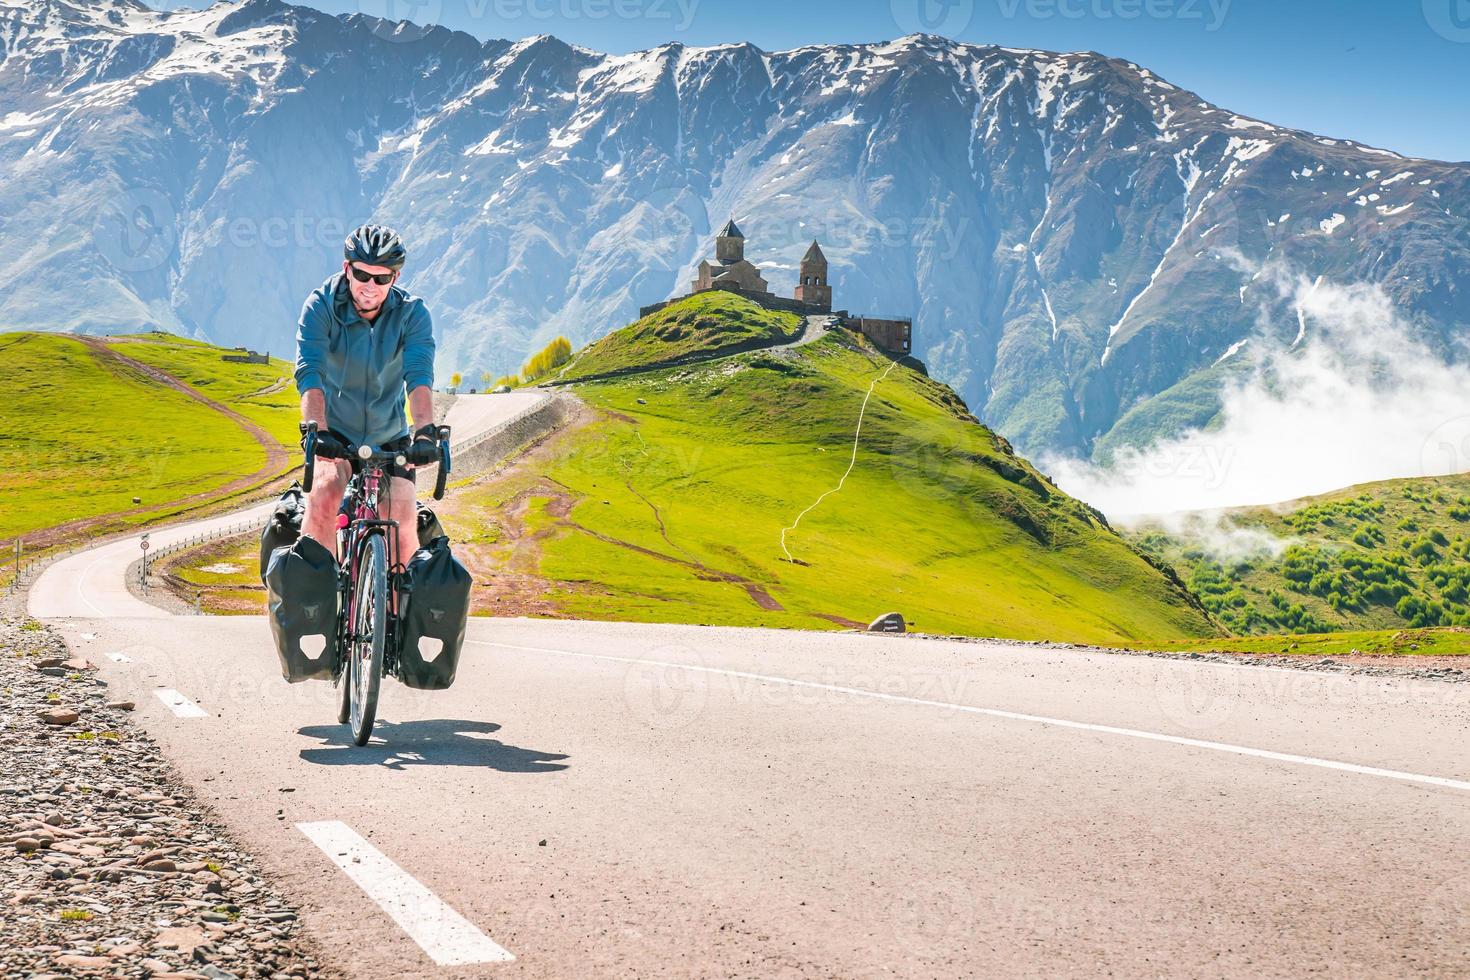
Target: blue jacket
364,368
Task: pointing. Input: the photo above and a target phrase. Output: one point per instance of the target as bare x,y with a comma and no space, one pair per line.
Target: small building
892,333
248,357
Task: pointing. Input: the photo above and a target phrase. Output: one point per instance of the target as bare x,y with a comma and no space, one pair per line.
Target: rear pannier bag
437,609
284,527
301,583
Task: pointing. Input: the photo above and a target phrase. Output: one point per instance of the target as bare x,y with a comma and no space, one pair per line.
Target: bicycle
368,628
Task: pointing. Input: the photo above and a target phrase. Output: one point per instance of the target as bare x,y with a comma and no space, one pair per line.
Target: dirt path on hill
277,459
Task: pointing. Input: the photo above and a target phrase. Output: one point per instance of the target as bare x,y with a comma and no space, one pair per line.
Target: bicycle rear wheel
370,635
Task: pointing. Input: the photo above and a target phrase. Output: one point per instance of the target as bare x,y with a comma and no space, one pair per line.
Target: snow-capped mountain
1074,236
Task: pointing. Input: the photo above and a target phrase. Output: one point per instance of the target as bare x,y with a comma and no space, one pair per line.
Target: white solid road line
1304,760
448,937
179,704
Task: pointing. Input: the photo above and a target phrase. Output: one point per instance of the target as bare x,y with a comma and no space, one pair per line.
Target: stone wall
544,419
769,300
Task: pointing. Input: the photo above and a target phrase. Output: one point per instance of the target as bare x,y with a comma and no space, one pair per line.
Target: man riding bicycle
361,342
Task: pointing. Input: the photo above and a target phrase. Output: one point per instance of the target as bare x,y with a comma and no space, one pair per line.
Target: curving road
596,799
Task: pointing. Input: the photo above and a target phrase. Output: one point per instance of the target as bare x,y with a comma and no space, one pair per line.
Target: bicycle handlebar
367,454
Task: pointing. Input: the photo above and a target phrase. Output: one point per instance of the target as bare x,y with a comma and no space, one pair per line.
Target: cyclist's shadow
428,742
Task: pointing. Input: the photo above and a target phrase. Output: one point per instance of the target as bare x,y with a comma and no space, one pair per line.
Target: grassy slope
706,323
671,510
80,438
239,386
1446,642
1387,555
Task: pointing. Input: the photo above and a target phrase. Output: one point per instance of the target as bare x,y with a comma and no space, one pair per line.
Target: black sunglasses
382,279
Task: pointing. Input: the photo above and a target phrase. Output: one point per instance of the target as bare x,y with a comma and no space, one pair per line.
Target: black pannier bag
284,527
437,608
301,583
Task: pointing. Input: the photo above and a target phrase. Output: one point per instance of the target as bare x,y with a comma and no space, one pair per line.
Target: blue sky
1392,73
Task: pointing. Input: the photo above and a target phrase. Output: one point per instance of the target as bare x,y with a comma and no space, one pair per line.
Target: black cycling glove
328,445
425,448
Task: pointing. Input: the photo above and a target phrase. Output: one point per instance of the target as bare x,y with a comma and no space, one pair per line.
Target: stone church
732,271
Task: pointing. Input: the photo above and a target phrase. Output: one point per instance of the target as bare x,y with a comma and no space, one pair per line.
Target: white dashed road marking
448,937
179,704
1082,726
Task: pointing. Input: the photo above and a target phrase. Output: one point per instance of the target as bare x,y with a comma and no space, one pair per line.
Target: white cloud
1358,399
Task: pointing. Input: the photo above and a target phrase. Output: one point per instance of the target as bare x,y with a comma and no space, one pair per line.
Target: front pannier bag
429,526
437,609
284,527
301,583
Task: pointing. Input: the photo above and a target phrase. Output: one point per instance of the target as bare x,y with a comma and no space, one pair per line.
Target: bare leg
398,505
324,501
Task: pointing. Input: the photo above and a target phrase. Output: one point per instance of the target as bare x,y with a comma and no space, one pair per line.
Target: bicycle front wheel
370,636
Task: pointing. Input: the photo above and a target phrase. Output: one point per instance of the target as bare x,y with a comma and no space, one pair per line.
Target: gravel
1414,668
112,866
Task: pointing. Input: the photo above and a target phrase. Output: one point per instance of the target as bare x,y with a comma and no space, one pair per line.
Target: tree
455,379
551,357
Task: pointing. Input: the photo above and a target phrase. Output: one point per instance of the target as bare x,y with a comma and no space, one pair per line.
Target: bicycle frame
363,489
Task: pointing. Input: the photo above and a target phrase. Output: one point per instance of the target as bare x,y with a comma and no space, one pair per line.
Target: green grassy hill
264,393
669,503
89,424
1389,555
699,326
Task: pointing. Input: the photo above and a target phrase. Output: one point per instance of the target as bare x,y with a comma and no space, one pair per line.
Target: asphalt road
596,799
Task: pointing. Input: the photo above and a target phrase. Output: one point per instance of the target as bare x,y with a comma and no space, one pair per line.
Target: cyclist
361,342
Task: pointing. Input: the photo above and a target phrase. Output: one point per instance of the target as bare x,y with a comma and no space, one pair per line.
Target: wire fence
204,537
22,567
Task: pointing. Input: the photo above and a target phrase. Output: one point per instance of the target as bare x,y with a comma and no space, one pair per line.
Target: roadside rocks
109,865
58,716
